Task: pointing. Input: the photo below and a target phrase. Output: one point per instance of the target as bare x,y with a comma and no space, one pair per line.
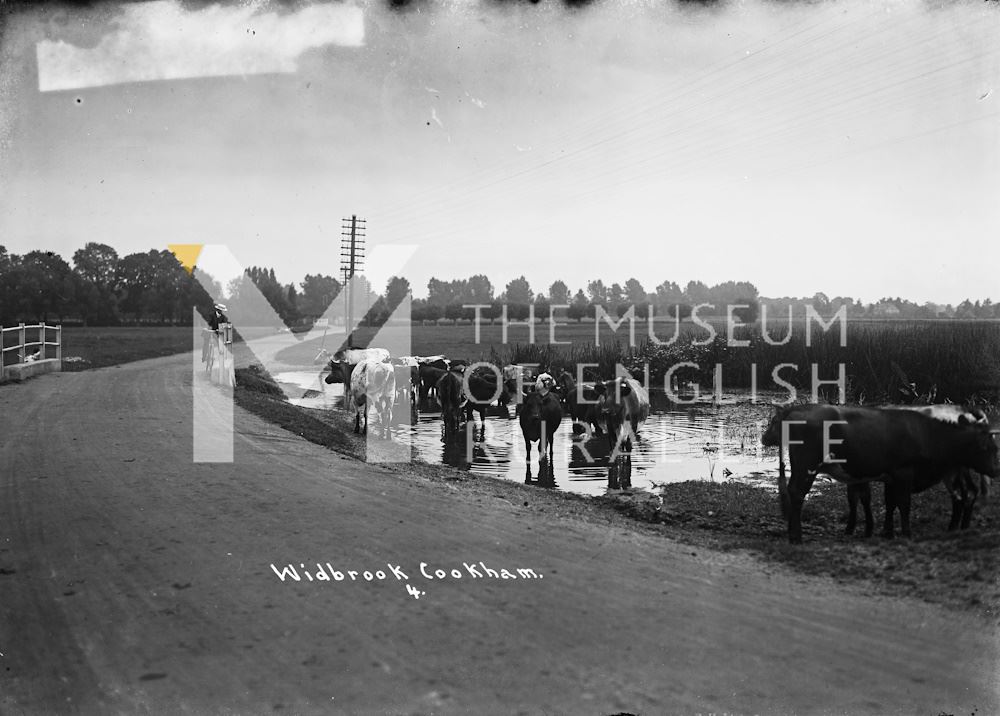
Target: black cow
963,485
428,375
480,390
856,445
449,394
540,417
566,389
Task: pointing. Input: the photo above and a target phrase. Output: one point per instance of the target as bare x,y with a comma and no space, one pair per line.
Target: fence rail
42,343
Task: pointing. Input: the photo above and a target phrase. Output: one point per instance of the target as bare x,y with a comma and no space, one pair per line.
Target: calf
857,445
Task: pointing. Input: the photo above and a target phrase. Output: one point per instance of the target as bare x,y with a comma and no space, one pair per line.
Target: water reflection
676,443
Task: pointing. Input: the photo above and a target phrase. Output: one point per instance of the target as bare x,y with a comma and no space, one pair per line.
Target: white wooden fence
23,355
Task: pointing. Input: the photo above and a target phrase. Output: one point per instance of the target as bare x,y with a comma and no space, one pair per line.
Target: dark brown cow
540,417
963,485
428,376
480,389
449,394
857,445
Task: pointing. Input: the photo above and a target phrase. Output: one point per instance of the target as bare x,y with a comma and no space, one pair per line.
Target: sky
850,148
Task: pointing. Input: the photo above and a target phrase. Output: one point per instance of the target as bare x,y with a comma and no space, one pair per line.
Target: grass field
98,347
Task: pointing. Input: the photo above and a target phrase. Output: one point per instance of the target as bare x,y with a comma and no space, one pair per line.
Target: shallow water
678,442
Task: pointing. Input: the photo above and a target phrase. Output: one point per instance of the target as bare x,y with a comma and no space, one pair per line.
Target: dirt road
135,581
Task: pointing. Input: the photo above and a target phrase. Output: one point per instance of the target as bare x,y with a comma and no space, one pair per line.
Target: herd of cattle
909,448
376,382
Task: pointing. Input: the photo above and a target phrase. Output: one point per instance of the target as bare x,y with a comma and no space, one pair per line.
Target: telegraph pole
352,258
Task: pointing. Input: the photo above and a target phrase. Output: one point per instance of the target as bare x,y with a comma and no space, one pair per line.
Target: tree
441,293
597,292
45,284
579,307
668,293
634,292
318,292
96,263
478,289
559,293
518,291
615,294
696,292
95,266
396,290
542,305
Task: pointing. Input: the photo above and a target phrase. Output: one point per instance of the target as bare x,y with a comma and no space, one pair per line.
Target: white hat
221,307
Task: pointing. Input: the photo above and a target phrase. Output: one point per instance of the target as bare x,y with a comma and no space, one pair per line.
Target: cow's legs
891,502
527,460
961,509
903,494
853,495
798,487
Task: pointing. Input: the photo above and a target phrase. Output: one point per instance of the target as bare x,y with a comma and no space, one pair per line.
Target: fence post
59,343
20,338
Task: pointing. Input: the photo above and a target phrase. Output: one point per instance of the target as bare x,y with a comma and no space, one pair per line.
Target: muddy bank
957,570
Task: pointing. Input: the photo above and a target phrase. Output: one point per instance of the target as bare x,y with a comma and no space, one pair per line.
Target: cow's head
610,394
773,434
986,454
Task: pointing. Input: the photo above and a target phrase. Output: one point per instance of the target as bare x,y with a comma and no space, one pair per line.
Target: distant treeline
103,288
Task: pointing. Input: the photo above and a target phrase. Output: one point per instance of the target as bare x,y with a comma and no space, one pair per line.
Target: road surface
135,581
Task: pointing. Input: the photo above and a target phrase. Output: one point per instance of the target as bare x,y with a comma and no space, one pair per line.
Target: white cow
343,362
373,385
356,355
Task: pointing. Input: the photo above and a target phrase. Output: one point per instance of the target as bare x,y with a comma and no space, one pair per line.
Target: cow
405,370
858,444
449,394
345,360
518,379
540,417
566,389
964,486
373,385
480,389
428,376
621,401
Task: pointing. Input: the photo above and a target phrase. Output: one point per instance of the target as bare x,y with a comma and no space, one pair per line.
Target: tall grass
956,361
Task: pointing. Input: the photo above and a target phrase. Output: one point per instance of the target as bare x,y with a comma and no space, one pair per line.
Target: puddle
703,441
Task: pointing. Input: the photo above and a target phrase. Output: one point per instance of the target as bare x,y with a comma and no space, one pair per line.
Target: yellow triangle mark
186,254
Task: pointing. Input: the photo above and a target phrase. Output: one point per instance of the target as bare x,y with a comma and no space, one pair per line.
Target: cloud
163,41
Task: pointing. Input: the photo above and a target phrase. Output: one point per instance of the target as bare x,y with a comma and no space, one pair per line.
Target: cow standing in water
449,395
858,445
480,388
373,385
623,405
540,417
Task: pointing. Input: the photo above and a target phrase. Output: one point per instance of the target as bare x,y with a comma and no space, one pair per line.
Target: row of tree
103,288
